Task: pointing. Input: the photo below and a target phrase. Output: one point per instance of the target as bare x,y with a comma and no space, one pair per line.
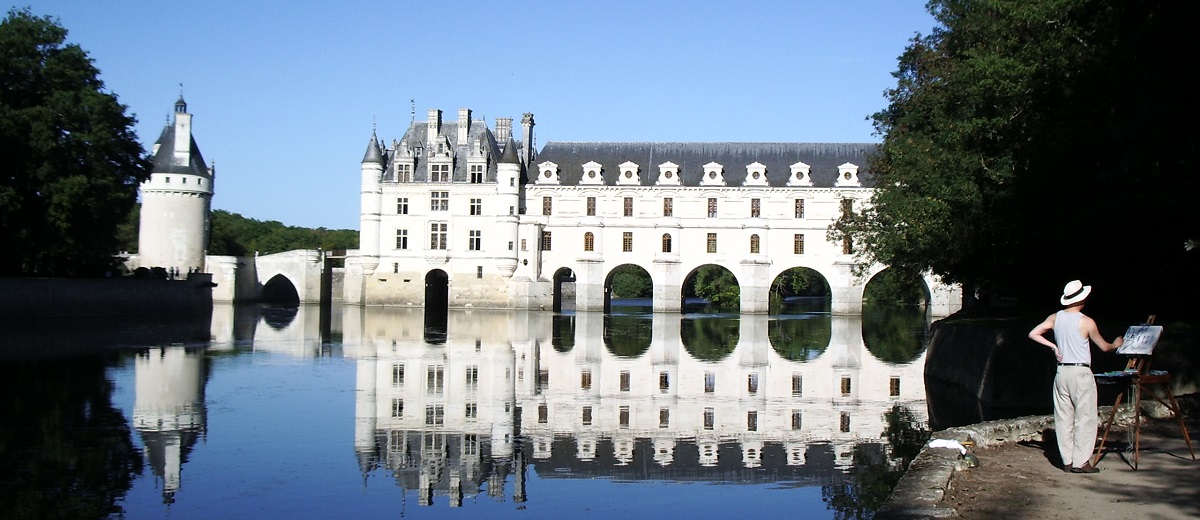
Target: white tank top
1073,345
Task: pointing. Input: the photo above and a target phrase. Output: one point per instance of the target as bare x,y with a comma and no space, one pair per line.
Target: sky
285,94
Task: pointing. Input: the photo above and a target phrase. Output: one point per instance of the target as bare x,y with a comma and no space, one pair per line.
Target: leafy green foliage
717,285
628,336
800,339
71,164
233,234
895,333
631,281
710,338
1029,143
894,286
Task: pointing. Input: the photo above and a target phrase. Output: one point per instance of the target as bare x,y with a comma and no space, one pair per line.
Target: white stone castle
455,212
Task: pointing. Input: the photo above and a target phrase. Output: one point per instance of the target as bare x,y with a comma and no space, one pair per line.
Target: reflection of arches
437,299
278,317
627,281
893,286
895,334
800,290
628,336
562,337
564,290
710,338
279,289
800,339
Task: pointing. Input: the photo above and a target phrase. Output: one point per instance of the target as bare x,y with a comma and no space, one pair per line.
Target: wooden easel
1142,380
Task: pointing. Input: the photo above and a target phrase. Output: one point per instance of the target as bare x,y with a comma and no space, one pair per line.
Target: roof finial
412,116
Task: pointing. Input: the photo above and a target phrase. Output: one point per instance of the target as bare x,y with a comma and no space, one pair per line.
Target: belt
1075,365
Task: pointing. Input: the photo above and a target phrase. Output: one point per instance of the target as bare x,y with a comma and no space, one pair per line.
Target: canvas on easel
1140,340
1138,344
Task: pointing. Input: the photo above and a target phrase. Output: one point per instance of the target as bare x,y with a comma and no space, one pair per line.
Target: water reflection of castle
601,395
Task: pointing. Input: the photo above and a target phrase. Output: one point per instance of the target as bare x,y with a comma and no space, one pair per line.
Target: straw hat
1075,292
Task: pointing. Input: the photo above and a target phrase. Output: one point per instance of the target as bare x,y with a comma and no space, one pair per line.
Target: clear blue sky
285,93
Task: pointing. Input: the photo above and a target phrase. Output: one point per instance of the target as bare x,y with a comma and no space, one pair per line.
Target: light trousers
1075,414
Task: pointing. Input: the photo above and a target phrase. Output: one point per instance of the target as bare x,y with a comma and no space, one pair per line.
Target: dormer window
848,176
756,175
629,173
668,174
714,175
549,173
800,175
593,174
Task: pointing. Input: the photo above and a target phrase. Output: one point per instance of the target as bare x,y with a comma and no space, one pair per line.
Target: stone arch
564,290
800,338
711,288
628,335
897,287
800,290
895,334
632,282
279,289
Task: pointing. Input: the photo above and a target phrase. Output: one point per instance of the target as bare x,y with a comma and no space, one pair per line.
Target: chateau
457,214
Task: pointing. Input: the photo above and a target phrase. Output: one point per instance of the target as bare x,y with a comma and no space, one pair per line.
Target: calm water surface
261,412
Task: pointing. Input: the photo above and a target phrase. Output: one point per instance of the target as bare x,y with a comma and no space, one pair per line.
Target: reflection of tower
169,410
174,223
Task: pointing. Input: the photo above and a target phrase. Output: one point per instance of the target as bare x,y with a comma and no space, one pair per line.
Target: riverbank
1019,474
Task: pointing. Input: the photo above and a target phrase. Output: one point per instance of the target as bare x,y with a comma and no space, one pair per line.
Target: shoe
1066,468
1086,468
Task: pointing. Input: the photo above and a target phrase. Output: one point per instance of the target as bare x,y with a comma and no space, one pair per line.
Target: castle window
404,173
668,207
545,240
752,383
585,379
546,205
710,418
798,243
710,382
666,243
623,416
797,385
472,377
476,173
435,379
401,239
751,421
479,271
797,420
437,235
664,417
476,206
627,241
591,206
589,241
439,173
167,180
398,374
435,415
754,243
439,201
472,411
586,416
845,386
402,206
755,208
664,382
799,208
845,422
712,208
847,207
628,206
475,240
397,408
625,379
894,387
712,242
543,413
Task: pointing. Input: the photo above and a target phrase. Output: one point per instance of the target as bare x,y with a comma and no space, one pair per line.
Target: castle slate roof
164,158
823,158
415,136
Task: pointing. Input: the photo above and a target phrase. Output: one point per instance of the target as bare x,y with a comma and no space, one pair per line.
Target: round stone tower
176,201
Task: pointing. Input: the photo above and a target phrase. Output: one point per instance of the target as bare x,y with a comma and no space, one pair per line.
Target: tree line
235,235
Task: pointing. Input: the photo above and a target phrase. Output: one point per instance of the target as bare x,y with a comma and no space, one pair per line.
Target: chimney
503,129
527,127
434,125
464,125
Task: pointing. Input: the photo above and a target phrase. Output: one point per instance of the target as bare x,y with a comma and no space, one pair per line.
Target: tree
1030,143
717,285
71,163
631,281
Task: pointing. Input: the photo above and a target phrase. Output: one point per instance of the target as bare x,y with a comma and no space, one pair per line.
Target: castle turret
176,201
368,236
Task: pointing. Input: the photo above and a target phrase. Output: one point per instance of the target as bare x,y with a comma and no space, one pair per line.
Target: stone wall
61,297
